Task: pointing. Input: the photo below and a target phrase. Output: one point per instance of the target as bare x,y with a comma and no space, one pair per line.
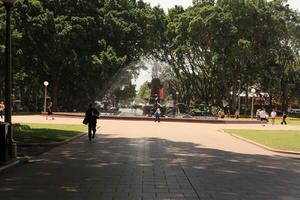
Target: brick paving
166,161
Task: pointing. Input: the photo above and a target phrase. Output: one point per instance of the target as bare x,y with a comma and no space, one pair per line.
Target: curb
51,143
12,164
263,146
19,161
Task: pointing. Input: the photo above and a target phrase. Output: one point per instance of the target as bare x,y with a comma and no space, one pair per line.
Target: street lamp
45,100
252,92
239,106
9,4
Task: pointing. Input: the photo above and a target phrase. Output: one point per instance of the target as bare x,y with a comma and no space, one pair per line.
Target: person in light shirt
273,116
262,115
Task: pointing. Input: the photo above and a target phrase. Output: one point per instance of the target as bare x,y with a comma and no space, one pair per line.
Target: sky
167,4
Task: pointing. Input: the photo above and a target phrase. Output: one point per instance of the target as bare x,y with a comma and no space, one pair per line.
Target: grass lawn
45,133
277,139
289,121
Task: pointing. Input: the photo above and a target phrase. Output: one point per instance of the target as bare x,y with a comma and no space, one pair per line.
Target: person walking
237,113
273,116
258,114
157,115
49,110
221,114
284,116
91,116
262,115
2,108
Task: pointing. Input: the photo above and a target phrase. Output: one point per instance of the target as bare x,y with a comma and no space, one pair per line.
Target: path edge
19,161
51,143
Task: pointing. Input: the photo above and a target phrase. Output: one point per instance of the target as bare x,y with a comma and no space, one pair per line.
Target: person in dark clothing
91,116
49,110
284,116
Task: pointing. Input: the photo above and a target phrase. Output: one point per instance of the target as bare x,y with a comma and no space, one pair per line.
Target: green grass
288,121
278,139
295,121
45,133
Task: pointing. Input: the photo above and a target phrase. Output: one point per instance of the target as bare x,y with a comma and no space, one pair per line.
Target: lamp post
176,101
45,99
239,106
252,92
9,4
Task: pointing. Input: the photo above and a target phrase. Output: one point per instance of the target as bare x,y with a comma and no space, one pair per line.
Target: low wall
163,119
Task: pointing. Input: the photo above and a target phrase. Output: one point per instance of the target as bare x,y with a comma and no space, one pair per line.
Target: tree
143,93
78,46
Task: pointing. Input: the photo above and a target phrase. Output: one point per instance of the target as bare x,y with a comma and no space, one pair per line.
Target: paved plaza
160,161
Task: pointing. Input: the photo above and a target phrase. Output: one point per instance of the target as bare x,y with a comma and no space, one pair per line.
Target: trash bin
4,141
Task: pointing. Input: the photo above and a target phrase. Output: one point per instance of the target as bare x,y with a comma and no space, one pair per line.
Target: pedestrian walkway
143,160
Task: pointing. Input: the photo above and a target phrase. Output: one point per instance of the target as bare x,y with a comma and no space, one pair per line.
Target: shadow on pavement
151,168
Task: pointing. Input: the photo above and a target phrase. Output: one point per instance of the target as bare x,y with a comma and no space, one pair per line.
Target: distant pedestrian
284,116
228,112
157,115
262,115
91,116
237,113
258,114
49,110
2,108
221,114
273,116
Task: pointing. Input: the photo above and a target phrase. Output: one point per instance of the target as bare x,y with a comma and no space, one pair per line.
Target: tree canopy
213,47
78,46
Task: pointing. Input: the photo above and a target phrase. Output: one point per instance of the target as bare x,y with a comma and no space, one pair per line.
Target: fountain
154,100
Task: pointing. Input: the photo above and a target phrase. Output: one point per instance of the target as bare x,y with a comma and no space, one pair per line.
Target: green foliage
213,46
144,92
81,47
78,46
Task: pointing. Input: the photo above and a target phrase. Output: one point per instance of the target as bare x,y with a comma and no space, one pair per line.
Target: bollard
4,141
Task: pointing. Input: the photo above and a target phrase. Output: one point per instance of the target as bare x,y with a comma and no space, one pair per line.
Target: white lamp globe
46,83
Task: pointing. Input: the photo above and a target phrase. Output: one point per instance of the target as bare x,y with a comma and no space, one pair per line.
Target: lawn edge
21,144
262,146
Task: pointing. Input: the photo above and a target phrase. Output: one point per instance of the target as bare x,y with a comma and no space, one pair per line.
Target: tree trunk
284,99
233,96
54,79
270,99
247,100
